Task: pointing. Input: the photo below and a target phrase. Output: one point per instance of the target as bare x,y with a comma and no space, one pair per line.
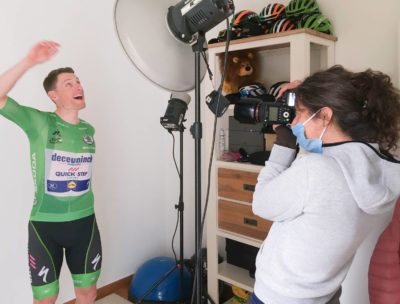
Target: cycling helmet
283,25
315,22
247,23
275,88
272,12
222,35
245,18
252,90
251,30
298,7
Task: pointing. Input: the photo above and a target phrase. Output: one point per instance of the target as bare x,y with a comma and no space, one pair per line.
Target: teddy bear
242,69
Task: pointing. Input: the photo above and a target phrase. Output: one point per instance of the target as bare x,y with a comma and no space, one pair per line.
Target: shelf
239,238
287,56
234,201
238,166
235,276
276,35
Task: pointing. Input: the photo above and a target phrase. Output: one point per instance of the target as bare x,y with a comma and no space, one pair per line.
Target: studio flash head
190,17
175,113
217,103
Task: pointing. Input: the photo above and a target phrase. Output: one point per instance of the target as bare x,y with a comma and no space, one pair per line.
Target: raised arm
39,53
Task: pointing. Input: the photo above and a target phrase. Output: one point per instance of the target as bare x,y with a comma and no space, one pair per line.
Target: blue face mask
313,145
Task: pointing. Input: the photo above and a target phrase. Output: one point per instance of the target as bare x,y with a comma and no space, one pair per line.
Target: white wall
135,182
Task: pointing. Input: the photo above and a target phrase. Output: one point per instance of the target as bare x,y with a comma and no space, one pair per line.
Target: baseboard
110,288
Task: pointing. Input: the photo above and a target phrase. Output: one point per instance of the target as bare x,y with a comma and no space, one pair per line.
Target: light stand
196,131
187,21
180,206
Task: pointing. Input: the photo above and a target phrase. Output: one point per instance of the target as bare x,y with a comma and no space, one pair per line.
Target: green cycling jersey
61,157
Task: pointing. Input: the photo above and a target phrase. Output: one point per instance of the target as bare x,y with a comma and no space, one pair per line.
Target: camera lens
249,110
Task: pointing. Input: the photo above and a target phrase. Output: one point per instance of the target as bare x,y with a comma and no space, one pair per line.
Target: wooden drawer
236,184
240,219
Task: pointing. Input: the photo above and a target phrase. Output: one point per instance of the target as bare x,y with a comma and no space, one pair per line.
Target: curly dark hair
50,81
365,105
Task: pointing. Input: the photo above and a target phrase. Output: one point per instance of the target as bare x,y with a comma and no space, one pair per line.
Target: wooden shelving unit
285,56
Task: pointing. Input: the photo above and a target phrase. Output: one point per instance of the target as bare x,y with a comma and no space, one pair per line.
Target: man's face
68,92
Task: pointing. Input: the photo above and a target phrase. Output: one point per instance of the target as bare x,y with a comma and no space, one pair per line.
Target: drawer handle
251,222
248,187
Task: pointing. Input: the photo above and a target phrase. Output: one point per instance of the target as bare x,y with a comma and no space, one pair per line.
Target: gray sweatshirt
323,206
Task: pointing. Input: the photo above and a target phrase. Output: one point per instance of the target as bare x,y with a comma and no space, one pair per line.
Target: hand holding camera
284,136
255,110
288,86
278,113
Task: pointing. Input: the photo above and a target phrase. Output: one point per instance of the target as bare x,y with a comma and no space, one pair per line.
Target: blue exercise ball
161,269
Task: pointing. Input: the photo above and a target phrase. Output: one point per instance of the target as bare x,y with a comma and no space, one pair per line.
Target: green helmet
315,22
299,7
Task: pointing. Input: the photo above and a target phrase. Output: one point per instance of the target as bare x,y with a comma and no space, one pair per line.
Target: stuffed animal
242,69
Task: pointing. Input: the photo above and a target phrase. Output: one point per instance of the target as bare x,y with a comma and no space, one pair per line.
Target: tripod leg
148,291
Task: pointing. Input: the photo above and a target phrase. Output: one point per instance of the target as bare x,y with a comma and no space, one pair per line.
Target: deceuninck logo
71,160
67,173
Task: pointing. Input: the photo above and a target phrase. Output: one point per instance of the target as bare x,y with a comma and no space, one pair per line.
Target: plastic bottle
221,143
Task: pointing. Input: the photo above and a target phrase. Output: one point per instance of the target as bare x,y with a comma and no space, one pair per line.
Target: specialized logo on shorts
43,273
67,173
95,261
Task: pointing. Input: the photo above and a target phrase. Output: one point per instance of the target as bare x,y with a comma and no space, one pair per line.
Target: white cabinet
284,56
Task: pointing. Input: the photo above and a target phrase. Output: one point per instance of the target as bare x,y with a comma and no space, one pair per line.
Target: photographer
325,201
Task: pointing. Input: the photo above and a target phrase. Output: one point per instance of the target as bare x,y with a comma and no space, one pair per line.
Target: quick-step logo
67,173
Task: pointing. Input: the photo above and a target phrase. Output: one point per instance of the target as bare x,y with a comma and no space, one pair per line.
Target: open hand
284,88
42,51
288,86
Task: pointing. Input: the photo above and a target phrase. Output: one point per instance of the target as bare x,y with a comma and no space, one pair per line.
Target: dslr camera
255,110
